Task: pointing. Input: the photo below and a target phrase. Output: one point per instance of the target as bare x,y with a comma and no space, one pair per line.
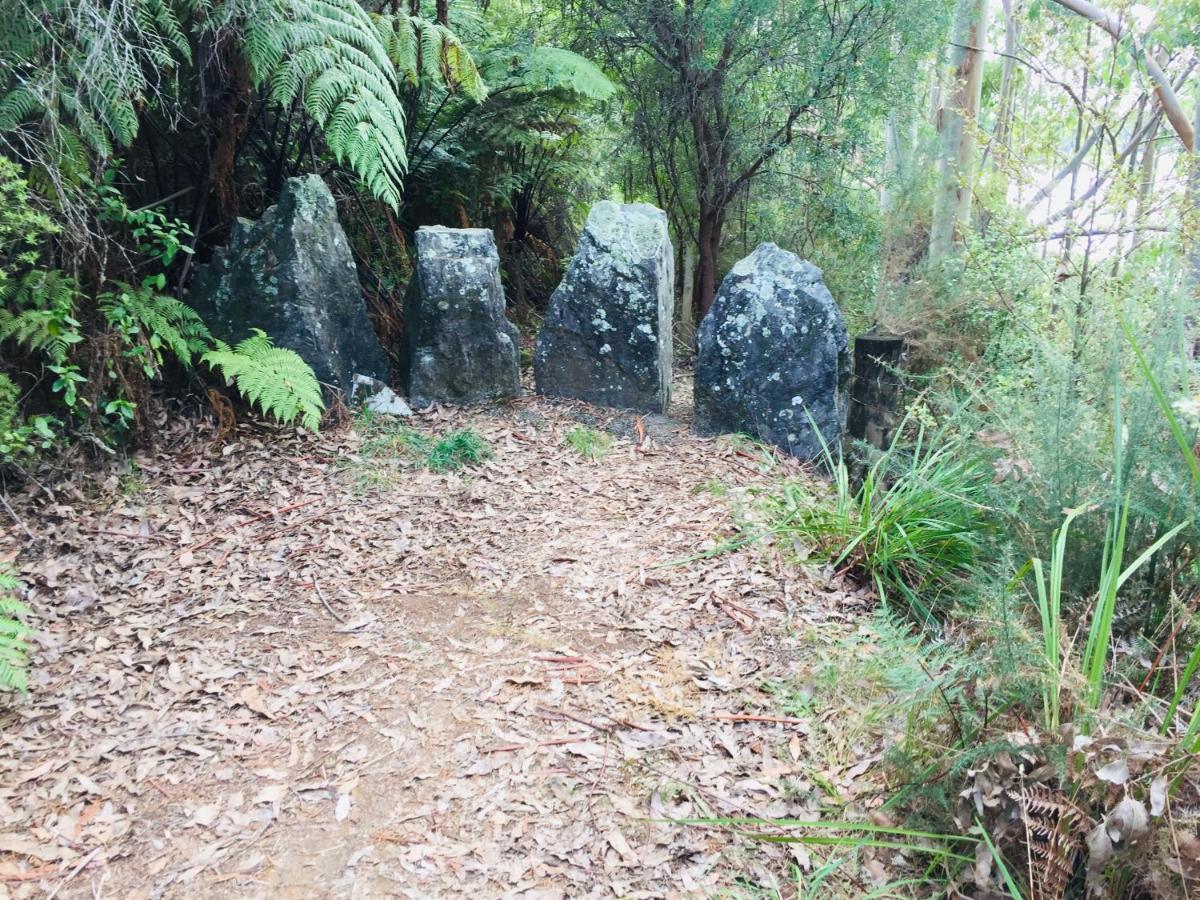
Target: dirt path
296,670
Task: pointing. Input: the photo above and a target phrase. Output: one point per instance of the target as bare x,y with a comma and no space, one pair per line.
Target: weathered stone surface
772,352
378,397
459,346
607,334
291,274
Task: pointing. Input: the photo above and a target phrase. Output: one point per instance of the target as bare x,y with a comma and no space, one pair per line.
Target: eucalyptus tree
723,87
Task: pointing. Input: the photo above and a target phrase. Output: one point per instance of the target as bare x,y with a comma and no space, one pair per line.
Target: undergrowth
1043,734
912,527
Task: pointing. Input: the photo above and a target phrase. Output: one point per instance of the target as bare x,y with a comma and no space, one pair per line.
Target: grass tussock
588,442
912,528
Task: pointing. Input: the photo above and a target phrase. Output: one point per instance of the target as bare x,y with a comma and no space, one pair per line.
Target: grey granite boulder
291,274
607,334
459,346
772,353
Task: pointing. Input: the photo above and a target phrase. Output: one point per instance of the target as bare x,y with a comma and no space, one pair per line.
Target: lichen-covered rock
459,346
607,334
772,352
291,274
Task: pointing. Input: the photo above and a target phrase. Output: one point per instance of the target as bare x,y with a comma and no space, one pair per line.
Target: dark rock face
291,274
459,346
607,334
773,352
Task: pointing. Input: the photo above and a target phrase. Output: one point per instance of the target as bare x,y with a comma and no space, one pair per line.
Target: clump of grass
588,442
457,449
911,528
390,446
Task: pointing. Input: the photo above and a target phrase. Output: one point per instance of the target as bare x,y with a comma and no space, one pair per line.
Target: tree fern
556,69
14,634
75,73
275,379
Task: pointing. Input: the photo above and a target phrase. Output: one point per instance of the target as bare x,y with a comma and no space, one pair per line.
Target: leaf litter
254,677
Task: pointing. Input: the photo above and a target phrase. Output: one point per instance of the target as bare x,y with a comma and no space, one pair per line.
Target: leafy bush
588,442
275,379
14,634
911,528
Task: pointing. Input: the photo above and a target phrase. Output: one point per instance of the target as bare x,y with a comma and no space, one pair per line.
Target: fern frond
158,320
14,634
275,379
37,312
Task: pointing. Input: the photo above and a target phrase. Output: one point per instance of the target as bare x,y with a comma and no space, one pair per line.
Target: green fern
275,379
556,69
154,321
14,634
422,50
75,73
37,312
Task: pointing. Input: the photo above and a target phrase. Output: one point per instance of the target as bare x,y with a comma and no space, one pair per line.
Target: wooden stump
875,391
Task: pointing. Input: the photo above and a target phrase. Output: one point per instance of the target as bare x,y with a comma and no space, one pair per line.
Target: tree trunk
686,308
707,250
958,125
1001,134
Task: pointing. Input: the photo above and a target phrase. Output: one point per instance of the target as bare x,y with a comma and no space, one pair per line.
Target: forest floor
291,667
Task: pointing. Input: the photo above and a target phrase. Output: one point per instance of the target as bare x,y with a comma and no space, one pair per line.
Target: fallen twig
20,522
79,868
736,717
324,602
509,748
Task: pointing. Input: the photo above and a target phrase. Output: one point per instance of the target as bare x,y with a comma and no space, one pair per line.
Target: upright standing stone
772,354
607,334
459,346
291,274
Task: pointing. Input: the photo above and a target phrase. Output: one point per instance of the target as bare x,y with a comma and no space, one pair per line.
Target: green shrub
588,442
275,379
912,528
14,634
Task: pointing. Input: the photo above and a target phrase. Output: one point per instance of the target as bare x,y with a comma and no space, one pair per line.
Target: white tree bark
958,127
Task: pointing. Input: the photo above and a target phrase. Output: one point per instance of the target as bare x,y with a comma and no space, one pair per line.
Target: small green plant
20,439
275,379
588,442
14,634
910,528
457,449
